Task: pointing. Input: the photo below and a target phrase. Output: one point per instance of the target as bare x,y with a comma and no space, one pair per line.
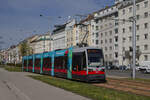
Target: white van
145,67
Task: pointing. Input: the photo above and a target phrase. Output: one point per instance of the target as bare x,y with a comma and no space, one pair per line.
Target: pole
44,43
134,38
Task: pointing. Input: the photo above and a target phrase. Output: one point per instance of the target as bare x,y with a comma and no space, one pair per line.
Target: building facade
142,32
41,43
70,33
59,37
105,33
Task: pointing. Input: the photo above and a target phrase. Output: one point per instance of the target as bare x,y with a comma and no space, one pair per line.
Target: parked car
109,67
144,67
122,67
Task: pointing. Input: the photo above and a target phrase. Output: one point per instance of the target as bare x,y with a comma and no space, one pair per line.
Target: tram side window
37,62
47,62
79,61
25,63
65,62
30,62
60,62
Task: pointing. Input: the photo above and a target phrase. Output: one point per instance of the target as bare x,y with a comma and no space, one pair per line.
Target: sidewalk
19,87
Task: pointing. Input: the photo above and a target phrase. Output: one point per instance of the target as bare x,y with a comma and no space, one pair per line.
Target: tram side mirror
66,53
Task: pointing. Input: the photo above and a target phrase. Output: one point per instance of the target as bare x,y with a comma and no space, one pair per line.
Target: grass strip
140,80
133,80
88,90
13,69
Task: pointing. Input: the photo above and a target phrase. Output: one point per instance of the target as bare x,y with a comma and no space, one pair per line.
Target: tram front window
95,57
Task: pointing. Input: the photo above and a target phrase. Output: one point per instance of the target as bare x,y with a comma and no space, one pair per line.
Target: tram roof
82,49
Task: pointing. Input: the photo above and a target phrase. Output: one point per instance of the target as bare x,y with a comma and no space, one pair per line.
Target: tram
84,64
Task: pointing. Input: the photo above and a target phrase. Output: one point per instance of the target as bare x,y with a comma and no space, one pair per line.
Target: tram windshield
95,57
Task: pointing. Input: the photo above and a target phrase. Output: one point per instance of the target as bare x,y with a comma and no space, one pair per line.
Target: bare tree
25,49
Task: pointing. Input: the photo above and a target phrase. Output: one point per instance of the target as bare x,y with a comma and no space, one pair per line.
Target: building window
123,48
130,9
105,56
137,7
96,42
116,38
116,54
123,30
105,41
146,47
137,47
97,34
145,57
137,37
123,40
101,41
130,38
145,14
96,21
93,27
116,23
110,48
106,48
145,36
146,25
97,28
110,56
123,11
93,41
116,30
146,4
110,24
116,46
137,27
105,33
110,40
130,28
137,17
101,34
110,32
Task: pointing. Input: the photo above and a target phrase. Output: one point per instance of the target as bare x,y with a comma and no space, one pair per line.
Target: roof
89,17
82,49
129,4
59,28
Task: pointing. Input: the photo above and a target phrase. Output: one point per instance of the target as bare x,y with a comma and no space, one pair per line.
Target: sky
20,19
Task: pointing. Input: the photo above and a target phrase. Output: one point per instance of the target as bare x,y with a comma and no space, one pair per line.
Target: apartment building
41,43
76,34
84,26
142,32
105,33
59,37
70,33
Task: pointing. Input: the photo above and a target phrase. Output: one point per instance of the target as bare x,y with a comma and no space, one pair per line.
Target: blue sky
20,19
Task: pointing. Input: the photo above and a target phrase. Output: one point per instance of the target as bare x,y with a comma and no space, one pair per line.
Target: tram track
139,88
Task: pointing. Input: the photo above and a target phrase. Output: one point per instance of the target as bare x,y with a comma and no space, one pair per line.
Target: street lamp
134,38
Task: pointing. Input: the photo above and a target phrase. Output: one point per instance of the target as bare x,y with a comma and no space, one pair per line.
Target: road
17,86
126,73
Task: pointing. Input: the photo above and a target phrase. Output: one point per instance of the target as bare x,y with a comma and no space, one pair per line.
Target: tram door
69,67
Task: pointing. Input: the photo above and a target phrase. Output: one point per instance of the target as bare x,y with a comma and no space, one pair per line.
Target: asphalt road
126,73
17,86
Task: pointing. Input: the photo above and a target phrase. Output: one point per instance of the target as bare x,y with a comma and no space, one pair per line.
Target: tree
128,55
25,49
